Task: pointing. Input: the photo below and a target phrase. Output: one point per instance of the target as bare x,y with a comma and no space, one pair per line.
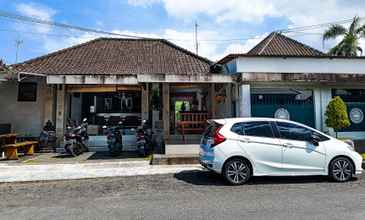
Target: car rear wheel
237,171
341,169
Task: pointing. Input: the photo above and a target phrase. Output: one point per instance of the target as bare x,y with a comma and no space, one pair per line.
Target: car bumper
211,160
357,158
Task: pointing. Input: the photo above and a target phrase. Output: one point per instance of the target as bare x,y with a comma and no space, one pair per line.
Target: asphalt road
186,195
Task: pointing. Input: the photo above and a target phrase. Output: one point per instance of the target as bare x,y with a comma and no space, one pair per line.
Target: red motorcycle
75,139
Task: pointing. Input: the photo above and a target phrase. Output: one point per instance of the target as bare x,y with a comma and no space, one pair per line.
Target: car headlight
350,144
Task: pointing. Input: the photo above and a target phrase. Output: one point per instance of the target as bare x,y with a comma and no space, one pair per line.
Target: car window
258,129
296,132
238,128
254,128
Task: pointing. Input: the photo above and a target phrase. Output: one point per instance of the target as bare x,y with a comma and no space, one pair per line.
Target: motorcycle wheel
74,150
67,149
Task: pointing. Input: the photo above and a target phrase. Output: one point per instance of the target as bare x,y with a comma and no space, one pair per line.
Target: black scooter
114,139
144,139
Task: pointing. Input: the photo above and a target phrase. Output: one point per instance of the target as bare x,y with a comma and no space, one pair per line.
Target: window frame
260,121
21,97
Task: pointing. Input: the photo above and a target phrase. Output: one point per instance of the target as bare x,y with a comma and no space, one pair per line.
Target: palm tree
349,45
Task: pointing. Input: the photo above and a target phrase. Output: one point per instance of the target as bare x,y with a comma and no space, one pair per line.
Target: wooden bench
11,150
193,122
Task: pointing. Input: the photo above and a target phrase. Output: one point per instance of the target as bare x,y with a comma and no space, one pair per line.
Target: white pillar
322,96
326,96
245,100
60,111
317,108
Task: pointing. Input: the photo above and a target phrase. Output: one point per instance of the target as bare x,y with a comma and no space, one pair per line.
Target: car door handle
288,145
245,140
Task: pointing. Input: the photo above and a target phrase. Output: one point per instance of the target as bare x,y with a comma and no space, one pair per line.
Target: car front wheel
341,169
237,171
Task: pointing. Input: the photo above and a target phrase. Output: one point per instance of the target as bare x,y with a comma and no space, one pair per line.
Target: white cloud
52,44
299,12
36,11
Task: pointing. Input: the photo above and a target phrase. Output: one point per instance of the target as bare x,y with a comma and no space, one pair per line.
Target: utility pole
196,38
17,44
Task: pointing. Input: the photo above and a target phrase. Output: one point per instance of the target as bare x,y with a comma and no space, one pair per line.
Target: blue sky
230,26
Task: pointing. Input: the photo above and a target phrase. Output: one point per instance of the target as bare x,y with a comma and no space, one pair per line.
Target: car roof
247,119
243,119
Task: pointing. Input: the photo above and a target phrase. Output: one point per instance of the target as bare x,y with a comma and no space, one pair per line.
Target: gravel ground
185,195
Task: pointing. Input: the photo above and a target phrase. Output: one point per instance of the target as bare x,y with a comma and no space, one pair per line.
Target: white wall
26,118
300,65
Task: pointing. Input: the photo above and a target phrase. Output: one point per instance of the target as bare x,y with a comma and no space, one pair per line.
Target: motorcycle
144,139
75,138
47,138
114,139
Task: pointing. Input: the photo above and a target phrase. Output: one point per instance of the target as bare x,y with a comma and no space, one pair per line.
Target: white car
239,148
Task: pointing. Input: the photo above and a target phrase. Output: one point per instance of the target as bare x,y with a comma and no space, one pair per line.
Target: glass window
238,128
258,129
295,132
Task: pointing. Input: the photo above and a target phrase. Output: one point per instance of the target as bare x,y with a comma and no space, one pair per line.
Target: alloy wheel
342,169
237,172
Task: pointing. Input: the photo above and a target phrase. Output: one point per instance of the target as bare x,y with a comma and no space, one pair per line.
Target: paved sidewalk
42,172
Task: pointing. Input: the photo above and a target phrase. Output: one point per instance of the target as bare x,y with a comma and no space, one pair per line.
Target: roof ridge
267,43
188,52
57,52
302,44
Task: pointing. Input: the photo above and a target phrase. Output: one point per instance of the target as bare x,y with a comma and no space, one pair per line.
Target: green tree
349,45
336,114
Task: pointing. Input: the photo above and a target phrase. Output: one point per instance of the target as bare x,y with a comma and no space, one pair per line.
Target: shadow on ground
208,178
106,155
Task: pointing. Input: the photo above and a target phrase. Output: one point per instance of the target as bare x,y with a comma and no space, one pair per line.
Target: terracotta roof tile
119,56
277,44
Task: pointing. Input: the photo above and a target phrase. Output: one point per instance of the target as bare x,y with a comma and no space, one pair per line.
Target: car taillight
218,138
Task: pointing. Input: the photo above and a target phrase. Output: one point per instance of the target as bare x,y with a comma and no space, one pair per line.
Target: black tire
341,169
237,171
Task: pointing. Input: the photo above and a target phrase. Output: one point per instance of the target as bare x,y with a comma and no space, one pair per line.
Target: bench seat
11,150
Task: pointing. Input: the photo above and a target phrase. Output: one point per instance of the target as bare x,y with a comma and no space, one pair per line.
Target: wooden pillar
166,109
60,111
145,102
48,108
228,102
212,98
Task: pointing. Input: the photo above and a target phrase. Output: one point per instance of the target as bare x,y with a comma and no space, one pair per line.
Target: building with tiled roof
115,56
277,44
283,78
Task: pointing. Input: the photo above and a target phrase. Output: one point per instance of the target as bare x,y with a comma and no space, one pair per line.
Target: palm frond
361,31
354,25
360,50
334,31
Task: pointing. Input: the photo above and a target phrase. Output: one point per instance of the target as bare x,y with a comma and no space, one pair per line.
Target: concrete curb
25,173
162,159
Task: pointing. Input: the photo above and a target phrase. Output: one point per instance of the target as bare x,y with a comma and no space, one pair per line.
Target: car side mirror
315,139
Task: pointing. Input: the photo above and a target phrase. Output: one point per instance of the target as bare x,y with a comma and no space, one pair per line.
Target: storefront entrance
108,108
